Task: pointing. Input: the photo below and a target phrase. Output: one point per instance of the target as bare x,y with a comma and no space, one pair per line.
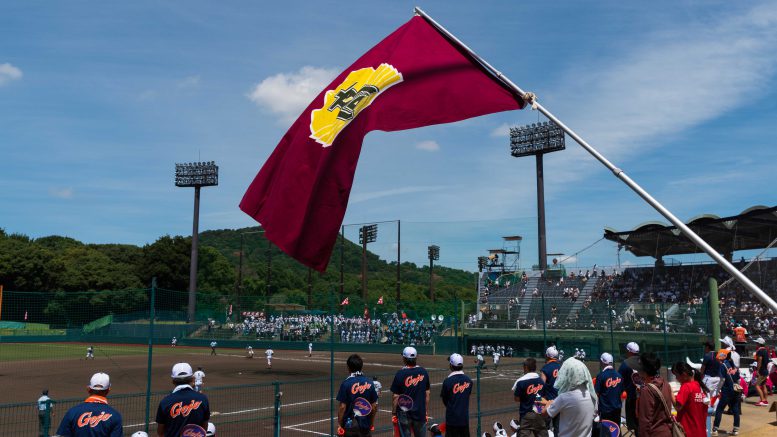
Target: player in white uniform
480,362
90,352
250,351
310,349
268,353
198,376
378,386
173,342
213,345
496,360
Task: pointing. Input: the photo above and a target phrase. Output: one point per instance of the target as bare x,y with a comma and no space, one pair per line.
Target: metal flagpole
619,173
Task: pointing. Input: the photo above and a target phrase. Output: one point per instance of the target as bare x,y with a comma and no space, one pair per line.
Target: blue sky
99,100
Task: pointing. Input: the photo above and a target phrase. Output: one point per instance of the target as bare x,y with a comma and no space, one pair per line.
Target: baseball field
242,391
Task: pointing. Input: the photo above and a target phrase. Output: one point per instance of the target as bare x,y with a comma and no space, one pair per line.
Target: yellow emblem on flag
345,102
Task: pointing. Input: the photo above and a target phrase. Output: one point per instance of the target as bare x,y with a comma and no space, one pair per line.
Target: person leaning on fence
526,392
94,417
455,393
353,417
576,400
183,406
410,395
44,409
627,373
654,397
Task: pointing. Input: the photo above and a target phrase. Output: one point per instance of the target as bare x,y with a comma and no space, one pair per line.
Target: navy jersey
414,382
729,375
357,386
609,386
712,365
628,383
182,407
93,418
455,396
764,354
526,389
550,370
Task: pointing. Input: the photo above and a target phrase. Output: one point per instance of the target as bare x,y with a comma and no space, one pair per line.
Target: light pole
197,175
434,254
538,139
367,234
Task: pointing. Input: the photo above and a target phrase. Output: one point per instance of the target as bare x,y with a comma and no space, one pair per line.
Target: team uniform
198,377
44,407
496,360
480,362
711,377
213,347
526,390
268,353
356,386
627,374
250,351
93,418
90,352
550,372
310,349
455,393
413,382
173,342
378,386
180,408
608,387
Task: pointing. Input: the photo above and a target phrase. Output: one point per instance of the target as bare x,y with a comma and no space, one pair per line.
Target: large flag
414,77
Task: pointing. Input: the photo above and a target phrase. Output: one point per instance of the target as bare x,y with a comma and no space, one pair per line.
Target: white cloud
429,146
8,73
371,195
503,130
189,82
61,193
287,94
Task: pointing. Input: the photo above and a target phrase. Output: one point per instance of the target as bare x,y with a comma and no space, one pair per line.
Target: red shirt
693,415
740,334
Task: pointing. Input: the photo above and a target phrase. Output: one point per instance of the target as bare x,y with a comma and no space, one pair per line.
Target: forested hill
57,263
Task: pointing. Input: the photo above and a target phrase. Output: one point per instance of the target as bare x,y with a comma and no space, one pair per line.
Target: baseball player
268,353
410,395
608,387
525,392
90,352
183,406
198,376
310,350
44,407
480,362
455,393
549,373
213,347
377,384
353,419
250,351
496,360
94,417
173,342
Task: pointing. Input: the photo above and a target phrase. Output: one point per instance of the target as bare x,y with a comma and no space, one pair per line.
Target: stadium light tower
434,255
367,234
538,139
197,175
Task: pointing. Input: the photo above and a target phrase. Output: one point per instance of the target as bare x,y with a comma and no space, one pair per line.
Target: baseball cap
139,434
182,370
632,347
409,352
606,358
211,429
456,360
551,352
100,381
760,340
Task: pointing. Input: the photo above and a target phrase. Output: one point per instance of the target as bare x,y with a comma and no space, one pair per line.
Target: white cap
409,352
606,358
632,347
100,381
760,340
182,370
456,360
211,429
139,434
551,352
728,342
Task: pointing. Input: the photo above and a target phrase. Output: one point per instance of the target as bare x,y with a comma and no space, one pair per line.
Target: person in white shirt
310,350
268,353
213,347
250,351
576,401
198,376
44,407
496,360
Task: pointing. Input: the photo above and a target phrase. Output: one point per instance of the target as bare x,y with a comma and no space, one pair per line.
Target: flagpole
619,173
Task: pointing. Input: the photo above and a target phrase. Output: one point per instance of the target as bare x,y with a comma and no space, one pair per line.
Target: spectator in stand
692,401
762,371
654,419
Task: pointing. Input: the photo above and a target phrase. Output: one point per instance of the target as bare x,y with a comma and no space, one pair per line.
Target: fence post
277,414
152,315
612,335
666,345
331,362
456,323
477,372
714,310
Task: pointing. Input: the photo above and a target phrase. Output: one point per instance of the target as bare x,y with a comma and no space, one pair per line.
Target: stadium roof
754,228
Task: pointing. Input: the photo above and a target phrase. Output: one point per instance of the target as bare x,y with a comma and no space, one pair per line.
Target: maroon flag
380,301
414,77
344,302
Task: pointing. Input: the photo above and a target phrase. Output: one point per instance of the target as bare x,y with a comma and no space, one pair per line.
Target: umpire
94,417
455,393
183,406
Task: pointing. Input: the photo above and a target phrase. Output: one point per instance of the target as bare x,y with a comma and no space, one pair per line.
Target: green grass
54,351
